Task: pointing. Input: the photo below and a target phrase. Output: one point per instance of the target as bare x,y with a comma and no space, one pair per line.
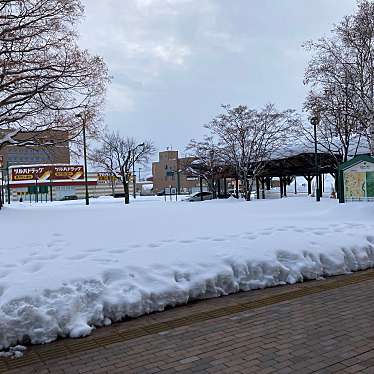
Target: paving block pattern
316,327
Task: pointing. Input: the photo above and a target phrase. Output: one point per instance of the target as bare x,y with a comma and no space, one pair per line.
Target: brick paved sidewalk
316,327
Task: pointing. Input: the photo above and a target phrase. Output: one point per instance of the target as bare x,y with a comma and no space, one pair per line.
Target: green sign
370,184
37,189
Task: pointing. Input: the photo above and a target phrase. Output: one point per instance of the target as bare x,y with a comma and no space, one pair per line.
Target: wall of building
52,148
165,173
60,192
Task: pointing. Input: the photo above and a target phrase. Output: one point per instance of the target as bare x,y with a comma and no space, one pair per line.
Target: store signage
45,173
106,178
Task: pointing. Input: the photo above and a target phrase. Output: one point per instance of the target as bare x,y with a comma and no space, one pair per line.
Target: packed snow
66,268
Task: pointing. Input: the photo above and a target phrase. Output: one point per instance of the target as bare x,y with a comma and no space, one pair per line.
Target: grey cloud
175,61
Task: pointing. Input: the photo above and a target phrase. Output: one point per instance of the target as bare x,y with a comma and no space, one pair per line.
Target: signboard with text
106,178
46,173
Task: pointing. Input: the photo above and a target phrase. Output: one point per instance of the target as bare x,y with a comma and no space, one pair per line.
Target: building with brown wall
52,147
172,171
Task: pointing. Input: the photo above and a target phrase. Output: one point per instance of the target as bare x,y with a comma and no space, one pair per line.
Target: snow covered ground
65,267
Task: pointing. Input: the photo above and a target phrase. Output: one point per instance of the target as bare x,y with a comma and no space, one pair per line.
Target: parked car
197,196
69,197
119,195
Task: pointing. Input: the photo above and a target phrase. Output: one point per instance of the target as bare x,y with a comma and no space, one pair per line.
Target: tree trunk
126,189
248,190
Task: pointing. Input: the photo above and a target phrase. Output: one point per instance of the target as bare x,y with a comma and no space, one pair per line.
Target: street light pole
133,174
8,182
82,116
133,168
315,121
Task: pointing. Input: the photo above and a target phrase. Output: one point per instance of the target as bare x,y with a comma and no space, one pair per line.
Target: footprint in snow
116,251
78,257
266,233
33,268
4,273
167,241
319,233
299,230
94,250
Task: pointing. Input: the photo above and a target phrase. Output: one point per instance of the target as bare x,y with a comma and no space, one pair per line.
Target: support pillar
263,187
268,183
281,186
309,180
285,187
218,188
201,189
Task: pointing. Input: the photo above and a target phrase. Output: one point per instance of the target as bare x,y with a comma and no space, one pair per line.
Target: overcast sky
174,62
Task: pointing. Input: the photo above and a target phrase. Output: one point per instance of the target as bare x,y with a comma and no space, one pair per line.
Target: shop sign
106,178
47,173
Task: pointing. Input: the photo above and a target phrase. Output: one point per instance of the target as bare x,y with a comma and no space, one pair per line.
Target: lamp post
133,169
315,122
83,117
8,182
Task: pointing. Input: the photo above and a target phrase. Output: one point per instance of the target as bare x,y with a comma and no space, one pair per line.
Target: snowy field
65,267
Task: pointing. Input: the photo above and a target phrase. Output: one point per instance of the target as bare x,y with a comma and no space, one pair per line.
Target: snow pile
13,352
65,268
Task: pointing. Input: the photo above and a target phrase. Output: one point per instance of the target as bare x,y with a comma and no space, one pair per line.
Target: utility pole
315,122
133,168
8,182
83,117
133,174
2,185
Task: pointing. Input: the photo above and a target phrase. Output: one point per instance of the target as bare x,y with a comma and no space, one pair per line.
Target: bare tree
338,133
207,160
45,78
117,155
249,138
341,75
